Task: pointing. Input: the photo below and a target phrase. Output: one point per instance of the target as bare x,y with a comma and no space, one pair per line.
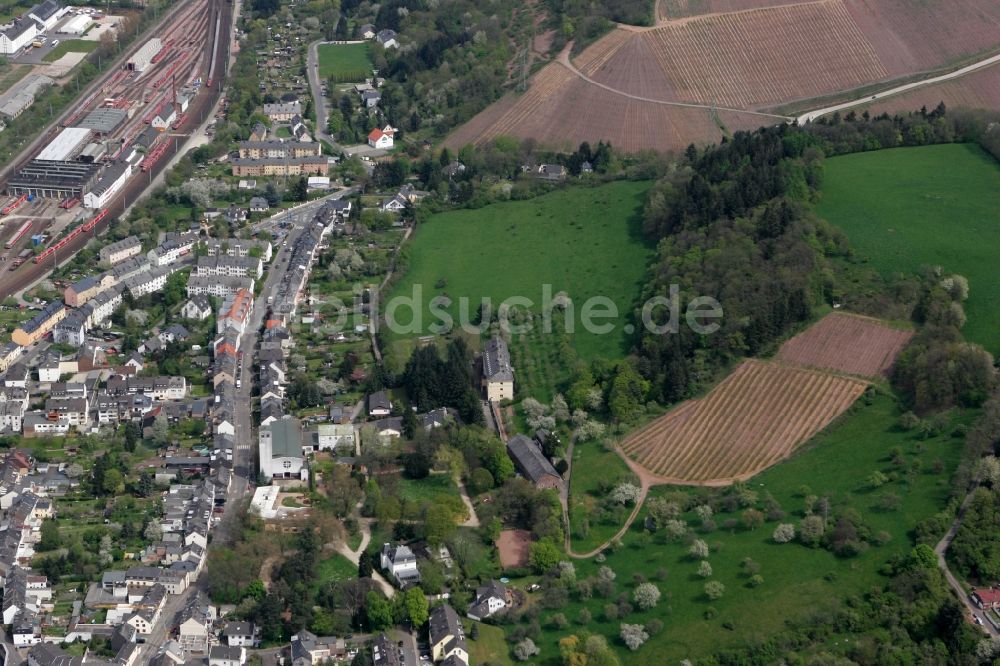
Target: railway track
196,21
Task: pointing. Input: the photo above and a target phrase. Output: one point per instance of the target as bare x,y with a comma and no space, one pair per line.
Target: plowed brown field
755,418
562,110
846,343
743,55
747,59
978,90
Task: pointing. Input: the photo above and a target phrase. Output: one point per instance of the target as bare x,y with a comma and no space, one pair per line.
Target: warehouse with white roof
144,56
66,145
76,25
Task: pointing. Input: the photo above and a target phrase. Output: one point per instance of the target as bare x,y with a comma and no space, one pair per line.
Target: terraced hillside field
755,418
847,343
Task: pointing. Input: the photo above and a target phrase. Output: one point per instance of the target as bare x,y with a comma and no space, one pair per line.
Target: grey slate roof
529,459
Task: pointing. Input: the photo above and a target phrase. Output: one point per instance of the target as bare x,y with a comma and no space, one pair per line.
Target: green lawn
74,45
797,580
490,647
593,467
584,241
336,568
345,61
421,491
912,207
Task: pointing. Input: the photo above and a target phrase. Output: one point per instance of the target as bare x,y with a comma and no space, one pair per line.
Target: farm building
21,96
53,179
144,56
112,180
532,463
20,33
66,145
47,14
104,121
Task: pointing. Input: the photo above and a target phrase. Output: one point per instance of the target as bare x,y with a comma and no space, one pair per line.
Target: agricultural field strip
823,394
716,59
846,343
542,92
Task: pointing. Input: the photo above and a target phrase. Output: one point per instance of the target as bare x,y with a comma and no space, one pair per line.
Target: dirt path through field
661,15
565,61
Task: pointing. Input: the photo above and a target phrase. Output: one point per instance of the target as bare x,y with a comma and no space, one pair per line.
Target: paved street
244,459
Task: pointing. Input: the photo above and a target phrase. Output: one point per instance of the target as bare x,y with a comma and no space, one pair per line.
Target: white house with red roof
382,138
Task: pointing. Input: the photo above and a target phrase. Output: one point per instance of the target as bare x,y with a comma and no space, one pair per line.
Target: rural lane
941,548
813,115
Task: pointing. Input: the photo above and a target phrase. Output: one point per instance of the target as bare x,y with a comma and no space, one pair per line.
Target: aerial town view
490,332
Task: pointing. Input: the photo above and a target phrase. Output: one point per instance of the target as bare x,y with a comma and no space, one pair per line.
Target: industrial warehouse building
66,145
21,33
110,182
76,25
56,180
22,95
47,14
144,56
104,121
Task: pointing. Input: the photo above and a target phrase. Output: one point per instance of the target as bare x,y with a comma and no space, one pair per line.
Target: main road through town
244,452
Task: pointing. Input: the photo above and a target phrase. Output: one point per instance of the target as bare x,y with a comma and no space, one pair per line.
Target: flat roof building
66,145
21,95
104,121
53,179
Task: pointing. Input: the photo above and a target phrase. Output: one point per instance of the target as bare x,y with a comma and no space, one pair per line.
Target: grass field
934,205
490,648
344,60
584,241
70,45
593,467
336,568
797,580
421,491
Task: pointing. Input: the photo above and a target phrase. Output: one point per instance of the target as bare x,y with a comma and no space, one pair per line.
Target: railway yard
100,156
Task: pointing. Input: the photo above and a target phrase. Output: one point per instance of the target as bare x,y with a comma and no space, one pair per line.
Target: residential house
489,600
119,251
551,172
239,634
367,31
226,655
38,326
400,563
387,38
498,374
382,138
259,205
282,112
385,652
379,404
330,436
446,636
197,307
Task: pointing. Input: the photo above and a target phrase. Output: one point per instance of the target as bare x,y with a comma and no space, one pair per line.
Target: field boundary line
565,61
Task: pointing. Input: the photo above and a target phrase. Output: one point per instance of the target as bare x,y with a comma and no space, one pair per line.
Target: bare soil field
754,419
736,55
917,36
561,110
748,59
674,9
846,343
